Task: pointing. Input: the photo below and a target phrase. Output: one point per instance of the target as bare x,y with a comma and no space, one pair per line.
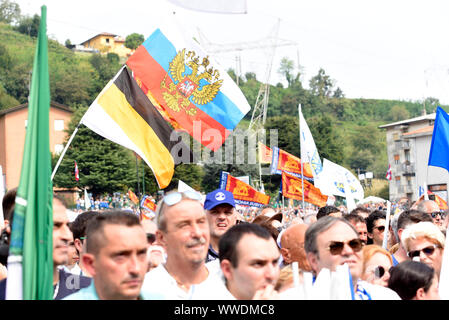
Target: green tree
104,167
321,84
134,40
29,25
9,11
398,113
286,69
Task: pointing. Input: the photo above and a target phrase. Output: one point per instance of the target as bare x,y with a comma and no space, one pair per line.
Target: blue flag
439,148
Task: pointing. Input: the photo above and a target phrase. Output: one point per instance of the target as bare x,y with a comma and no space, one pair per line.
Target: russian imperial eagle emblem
192,82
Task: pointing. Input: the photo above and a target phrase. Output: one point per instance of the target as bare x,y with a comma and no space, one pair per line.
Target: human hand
267,293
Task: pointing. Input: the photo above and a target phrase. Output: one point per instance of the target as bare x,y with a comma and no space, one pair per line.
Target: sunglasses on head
438,213
173,198
427,250
336,247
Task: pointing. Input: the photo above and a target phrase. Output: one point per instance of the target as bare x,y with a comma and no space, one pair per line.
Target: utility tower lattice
271,42
259,114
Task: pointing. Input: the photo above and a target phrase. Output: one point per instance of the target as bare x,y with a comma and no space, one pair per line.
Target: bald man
292,246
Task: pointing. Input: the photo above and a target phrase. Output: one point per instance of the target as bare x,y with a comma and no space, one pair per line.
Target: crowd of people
210,249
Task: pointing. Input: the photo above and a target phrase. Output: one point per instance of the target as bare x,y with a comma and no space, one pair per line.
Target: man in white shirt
248,258
183,231
331,242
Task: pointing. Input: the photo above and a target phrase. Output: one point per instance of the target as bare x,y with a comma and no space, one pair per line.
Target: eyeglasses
380,228
336,247
427,250
438,213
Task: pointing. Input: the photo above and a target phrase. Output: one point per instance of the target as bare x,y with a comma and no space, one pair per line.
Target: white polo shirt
159,282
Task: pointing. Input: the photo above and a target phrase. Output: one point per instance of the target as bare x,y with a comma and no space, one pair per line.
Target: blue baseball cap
218,197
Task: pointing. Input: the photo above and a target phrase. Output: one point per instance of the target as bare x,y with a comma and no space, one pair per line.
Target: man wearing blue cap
221,215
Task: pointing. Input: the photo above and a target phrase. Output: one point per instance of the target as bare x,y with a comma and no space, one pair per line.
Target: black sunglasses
379,272
438,213
380,228
151,237
427,250
336,247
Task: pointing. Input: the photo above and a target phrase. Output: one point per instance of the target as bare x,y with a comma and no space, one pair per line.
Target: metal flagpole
302,160
64,151
387,227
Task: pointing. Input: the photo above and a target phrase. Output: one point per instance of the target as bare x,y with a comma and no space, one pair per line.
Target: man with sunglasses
424,242
331,242
221,216
183,231
375,225
432,208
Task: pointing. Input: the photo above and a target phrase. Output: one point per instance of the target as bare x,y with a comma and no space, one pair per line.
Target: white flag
333,178
87,203
309,152
182,186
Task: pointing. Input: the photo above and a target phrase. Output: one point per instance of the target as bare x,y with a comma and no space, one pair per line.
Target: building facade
408,147
13,123
107,43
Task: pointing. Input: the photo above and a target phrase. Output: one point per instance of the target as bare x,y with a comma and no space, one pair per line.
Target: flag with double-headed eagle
243,193
190,89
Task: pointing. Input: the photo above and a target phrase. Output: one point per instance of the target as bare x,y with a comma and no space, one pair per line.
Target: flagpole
64,151
387,226
302,160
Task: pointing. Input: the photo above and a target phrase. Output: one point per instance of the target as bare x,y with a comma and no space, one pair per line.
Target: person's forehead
186,209
339,231
379,222
360,225
116,234
59,212
252,247
420,243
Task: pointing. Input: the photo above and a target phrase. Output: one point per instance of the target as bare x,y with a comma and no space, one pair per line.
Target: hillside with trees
345,130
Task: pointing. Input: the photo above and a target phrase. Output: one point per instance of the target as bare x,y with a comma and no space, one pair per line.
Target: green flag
30,262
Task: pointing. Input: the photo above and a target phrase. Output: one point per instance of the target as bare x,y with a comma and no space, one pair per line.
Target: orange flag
265,153
132,196
284,161
243,193
292,188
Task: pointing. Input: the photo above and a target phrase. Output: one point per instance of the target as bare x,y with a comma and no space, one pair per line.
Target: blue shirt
90,293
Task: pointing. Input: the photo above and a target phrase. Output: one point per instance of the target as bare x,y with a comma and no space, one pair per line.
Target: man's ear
160,238
78,245
420,294
286,255
313,261
88,260
226,268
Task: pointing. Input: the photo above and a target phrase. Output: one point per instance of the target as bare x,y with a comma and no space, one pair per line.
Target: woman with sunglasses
376,263
414,280
424,242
